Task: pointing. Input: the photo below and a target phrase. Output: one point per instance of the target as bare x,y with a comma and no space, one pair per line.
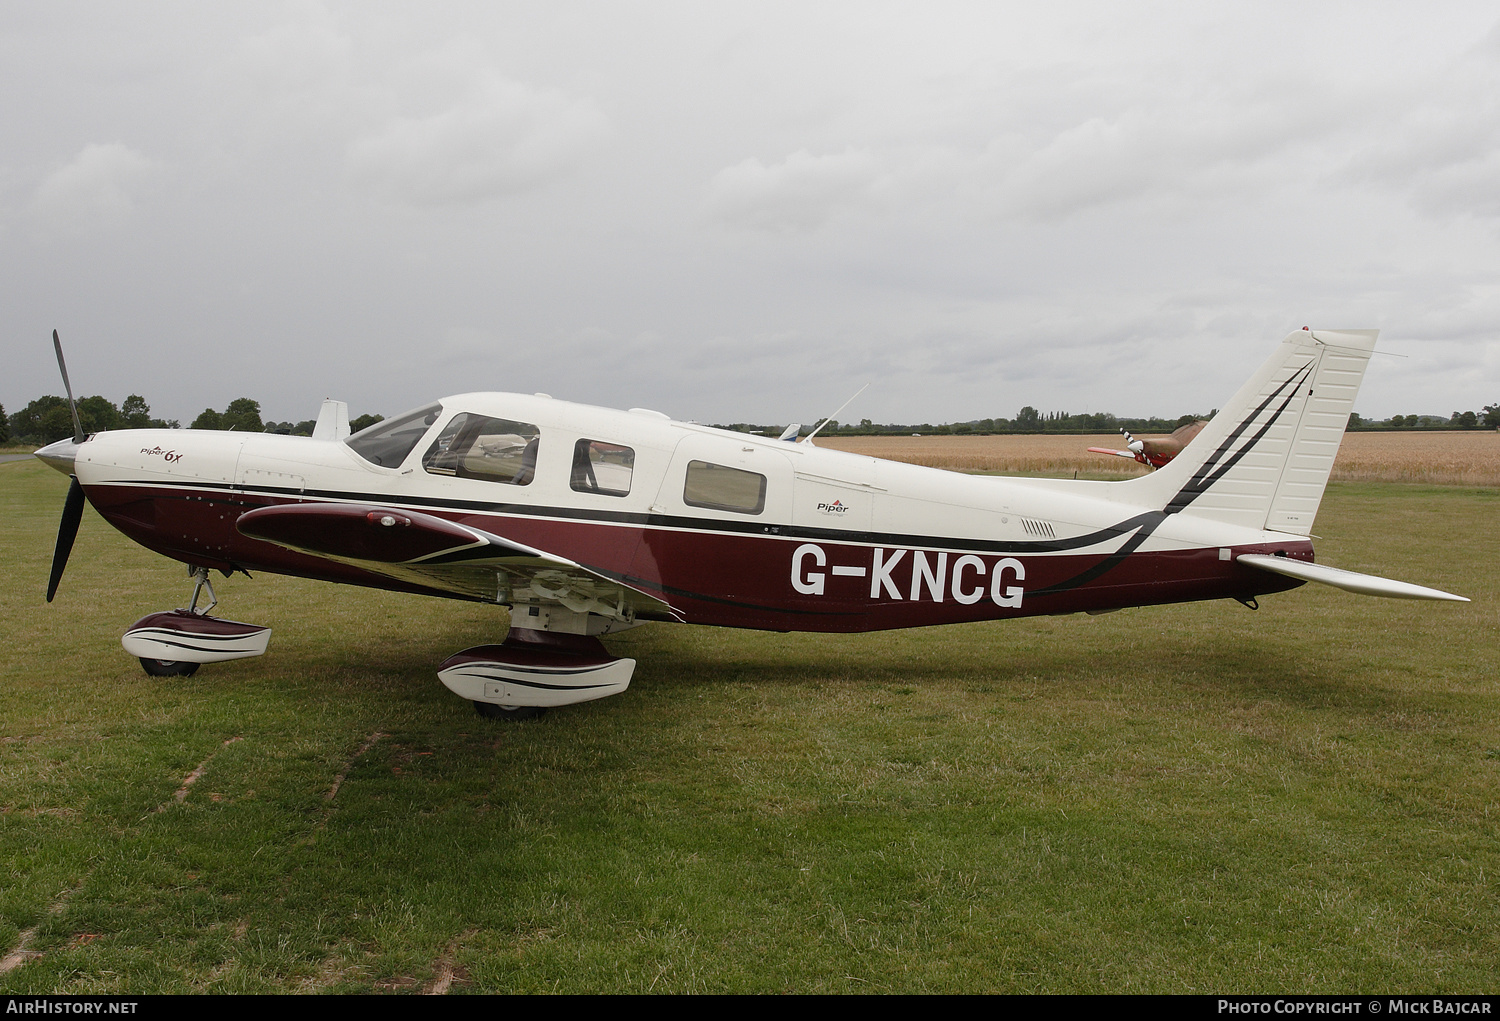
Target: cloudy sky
744,212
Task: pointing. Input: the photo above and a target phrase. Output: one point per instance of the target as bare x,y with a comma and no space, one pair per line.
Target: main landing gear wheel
169,667
491,711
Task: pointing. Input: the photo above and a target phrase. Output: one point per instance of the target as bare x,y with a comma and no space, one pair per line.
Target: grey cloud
800,193
503,138
95,190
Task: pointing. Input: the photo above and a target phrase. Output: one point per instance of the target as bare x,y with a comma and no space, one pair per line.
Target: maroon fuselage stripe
731,579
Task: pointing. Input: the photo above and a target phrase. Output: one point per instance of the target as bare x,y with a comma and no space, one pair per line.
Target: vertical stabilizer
333,420
1264,460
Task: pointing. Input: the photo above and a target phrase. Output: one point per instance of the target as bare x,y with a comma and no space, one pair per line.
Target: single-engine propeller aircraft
586,521
1155,451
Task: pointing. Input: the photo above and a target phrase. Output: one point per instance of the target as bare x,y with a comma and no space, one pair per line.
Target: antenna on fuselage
808,438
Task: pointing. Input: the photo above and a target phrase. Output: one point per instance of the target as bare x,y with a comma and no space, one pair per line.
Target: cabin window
388,443
603,468
719,488
489,449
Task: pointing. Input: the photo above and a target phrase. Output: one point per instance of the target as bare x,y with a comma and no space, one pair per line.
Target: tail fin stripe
1296,384
1207,467
1206,476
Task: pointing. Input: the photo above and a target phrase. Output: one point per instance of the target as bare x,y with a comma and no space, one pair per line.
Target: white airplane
586,521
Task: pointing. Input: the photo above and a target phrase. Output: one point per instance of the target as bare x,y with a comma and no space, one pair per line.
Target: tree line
1486,418
1030,420
47,419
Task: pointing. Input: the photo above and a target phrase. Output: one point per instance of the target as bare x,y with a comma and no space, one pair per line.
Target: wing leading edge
426,550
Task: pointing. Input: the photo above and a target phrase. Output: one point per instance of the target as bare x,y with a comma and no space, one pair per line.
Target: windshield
387,443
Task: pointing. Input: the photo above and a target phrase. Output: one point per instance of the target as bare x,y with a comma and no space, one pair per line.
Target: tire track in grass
333,969
338,781
228,965
23,952
192,778
444,972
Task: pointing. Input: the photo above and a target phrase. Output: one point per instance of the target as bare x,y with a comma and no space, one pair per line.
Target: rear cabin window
489,449
603,468
387,443
719,488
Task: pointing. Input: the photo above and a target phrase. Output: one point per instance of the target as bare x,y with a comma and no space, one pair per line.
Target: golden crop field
1446,458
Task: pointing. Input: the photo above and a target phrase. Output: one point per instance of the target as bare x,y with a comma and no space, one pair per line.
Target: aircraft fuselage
831,541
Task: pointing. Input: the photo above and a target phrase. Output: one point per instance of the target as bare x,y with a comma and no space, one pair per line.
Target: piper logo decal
836,507
964,579
170,456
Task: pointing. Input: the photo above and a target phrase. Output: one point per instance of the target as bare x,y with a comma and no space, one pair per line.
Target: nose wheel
168,667
174,643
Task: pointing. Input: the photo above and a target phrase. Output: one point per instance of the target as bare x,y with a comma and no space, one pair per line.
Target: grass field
1193,798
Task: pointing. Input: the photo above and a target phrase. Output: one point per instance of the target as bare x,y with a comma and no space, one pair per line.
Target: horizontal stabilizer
1350,581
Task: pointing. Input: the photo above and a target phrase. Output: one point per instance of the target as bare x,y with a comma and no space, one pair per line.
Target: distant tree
1028,418
98,414
44,420
306,428
242,415
1492,415
4,426
1398,421
1465,420
135,413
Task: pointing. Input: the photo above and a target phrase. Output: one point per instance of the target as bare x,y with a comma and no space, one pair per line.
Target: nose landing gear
173,643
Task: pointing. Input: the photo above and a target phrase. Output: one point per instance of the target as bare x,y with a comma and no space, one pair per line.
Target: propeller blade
66,533
78,436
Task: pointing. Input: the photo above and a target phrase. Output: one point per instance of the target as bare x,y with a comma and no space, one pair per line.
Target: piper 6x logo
967,579
167,455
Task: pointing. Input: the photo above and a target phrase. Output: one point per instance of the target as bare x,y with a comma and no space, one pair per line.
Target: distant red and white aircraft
586,521
1155,451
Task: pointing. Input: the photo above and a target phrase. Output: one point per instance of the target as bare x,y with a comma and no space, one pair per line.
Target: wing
433,552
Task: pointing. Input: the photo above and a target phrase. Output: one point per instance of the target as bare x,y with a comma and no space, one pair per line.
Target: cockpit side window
603,468
718,487
389,442
490,449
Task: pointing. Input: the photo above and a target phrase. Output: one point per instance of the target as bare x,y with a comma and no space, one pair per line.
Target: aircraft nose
60,455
